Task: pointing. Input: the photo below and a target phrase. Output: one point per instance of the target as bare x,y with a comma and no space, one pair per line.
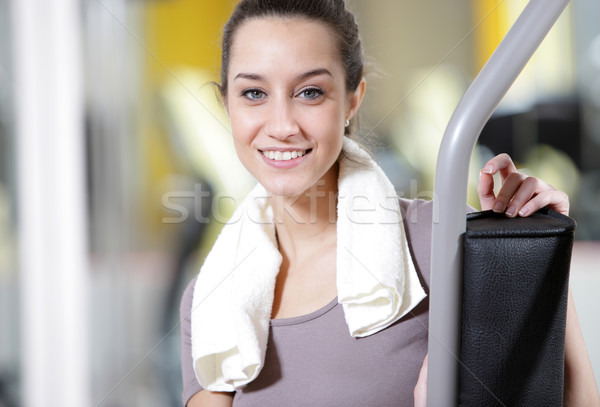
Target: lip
283,149
285,164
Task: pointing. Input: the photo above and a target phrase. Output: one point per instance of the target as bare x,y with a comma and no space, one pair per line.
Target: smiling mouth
284,155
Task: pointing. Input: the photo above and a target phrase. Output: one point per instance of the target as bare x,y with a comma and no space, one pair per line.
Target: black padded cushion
516,273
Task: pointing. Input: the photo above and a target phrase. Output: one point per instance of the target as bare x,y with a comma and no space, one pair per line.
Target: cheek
326,124
243,127
242,152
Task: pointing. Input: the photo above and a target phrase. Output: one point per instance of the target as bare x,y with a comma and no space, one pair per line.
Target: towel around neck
233,297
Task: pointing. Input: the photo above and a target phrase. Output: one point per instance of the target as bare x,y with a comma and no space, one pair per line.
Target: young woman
314,294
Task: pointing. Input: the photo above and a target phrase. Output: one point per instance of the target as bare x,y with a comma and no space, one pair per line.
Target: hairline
287,17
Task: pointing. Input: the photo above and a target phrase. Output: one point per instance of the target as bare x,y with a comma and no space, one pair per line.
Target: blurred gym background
117,169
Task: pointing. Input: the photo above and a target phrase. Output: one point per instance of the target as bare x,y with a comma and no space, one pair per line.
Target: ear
356,98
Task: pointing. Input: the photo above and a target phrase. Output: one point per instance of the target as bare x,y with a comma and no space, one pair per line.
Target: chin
284,191
285,188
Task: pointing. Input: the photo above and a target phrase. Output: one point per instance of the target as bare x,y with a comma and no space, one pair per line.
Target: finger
485,190
556,200
501,163
529,188
510,186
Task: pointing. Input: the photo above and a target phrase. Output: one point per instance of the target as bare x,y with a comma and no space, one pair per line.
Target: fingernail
524,211
510,212
498,207
488,169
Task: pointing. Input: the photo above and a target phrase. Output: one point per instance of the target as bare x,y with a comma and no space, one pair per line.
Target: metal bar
450,190
51,202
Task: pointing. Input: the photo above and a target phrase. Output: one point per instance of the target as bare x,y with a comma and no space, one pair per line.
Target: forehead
281,45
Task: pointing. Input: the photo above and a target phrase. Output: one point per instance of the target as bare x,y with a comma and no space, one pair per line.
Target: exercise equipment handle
450,191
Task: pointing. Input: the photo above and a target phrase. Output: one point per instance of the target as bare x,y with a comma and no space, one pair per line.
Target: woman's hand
520,194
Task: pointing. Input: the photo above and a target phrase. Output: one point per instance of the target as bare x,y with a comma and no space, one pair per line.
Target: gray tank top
312,360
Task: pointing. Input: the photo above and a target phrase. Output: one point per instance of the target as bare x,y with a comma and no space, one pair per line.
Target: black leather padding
516,273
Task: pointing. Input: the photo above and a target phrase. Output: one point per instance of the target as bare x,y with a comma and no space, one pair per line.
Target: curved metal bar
450,191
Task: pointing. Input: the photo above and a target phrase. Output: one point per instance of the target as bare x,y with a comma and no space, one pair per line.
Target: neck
302,222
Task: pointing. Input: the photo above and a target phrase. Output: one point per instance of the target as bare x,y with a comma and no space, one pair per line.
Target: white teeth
283,155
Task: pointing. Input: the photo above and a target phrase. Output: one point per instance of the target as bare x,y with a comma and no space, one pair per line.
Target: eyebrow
315,72
305,75
250,76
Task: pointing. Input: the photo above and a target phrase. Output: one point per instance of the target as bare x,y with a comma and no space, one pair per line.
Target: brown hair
331,12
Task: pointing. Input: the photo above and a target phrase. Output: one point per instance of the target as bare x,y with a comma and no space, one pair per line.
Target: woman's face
287,102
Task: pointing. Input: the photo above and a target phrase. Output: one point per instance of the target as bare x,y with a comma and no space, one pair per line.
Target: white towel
233,297
376,279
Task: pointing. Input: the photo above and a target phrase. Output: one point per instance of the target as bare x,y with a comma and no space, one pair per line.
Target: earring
347,123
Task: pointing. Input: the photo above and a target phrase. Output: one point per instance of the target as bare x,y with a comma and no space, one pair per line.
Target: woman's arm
192,390
521,195
205,398
580,384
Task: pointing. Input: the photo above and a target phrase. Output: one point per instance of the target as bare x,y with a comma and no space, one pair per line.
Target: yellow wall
491,19
179,34
185,33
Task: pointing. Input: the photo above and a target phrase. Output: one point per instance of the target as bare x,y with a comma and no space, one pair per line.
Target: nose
281,121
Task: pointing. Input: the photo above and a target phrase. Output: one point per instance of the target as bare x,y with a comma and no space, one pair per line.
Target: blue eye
253,94
311,93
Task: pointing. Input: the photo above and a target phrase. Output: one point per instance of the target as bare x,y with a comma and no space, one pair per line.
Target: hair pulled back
331,12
